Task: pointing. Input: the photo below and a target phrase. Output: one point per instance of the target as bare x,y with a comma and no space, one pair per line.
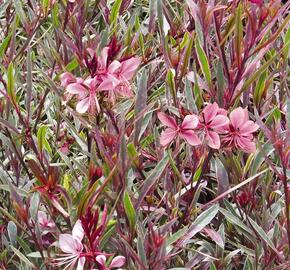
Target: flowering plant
144,134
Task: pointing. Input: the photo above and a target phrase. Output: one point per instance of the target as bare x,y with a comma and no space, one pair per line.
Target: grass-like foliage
144,134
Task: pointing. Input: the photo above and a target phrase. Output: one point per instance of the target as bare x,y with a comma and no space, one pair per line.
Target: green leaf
170,82
201,221
260,88
41,133
114,12
73,64
23,244
288,112
141,251
29,83
110,229
130,211
235,220
190,103
152,178
12,232
20,12
203,61
22,257
238,34
4,45
11,84
34,203
264,236
140,104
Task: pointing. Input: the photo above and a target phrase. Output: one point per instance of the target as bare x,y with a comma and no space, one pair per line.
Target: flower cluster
212,127
110,76
76,254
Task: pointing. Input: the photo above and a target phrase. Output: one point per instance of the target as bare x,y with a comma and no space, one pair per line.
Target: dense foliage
144,134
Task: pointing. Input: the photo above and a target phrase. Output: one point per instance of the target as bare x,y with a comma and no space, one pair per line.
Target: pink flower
240,129
67,78
113,78
44,222
185,130
71,244
118,261
117,76
213,121
87,94
257,2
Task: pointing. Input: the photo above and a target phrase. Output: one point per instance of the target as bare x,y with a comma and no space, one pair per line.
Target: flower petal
76,88
238,117
102,59
219,121
67,78
190,137
248,128
115,65
167,136
83,105
78,231
246,145
210,112
129,67
189,122
213,140
118,261
69,244
101,259
167,120
108,84
81,263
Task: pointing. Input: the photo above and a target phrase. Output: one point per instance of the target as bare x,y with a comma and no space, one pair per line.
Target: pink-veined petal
103,58
83,105
238,116
115,65
81,263
167,136
210,112
219,121
222,111
129,67
76,88
69,244
189,122
78,231
167,120
248,127
118,261
101,259
246,145
107,84
67,78
213,140
190,137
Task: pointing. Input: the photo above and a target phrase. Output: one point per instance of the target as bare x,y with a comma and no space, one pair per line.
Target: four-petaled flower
184,131
44,222
71,244
113,77
213,121
240,131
